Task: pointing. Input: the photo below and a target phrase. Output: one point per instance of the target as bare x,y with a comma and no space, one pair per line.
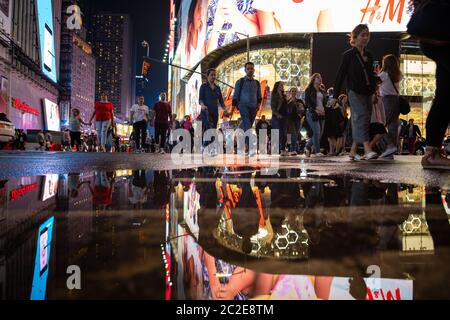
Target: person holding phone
356,70
315,101
391,76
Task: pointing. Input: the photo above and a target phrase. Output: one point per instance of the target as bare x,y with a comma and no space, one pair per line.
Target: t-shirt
102,195
162,112
75,124
320,108
139,112
387,88
103,111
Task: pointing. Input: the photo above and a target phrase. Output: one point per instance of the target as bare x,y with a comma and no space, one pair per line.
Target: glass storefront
419,84
290,65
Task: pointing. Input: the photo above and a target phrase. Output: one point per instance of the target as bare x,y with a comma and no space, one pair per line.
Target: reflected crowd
226,233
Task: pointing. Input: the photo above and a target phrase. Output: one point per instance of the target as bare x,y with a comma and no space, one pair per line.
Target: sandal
371,156
433,159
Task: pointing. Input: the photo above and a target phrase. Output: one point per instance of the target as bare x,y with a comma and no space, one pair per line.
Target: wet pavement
327,229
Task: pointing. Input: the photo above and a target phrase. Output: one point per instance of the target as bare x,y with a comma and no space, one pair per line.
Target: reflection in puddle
222,233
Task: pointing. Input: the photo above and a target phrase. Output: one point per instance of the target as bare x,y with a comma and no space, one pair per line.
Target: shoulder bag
404,106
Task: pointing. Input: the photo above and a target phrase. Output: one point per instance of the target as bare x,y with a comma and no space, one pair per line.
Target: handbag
404,106
430,21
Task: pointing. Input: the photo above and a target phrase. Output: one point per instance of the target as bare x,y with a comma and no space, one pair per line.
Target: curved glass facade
290,65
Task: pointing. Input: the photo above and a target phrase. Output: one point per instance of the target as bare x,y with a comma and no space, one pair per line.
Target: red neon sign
19,104
20,192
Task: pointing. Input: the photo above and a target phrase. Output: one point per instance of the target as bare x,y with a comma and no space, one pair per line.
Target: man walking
210,99
140,117
247,97
412,132
163,114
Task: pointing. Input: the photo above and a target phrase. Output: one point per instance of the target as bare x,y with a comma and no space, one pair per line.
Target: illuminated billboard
50,186
210,24
51,114
41,265
192,104
46,38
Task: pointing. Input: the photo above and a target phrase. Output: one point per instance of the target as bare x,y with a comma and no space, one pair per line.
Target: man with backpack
247,97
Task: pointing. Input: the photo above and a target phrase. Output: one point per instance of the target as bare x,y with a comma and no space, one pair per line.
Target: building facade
30,63
297,39
77,71
115,71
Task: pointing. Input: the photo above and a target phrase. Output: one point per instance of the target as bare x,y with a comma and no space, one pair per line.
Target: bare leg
375,140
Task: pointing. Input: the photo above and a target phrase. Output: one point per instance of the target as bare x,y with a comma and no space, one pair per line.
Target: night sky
150,22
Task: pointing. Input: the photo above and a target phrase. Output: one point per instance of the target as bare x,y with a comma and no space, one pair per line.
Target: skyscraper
114,48
77,73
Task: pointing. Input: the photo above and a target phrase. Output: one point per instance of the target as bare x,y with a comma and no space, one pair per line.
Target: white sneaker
293,153
371,156
360,158
318,155
389,152
162,151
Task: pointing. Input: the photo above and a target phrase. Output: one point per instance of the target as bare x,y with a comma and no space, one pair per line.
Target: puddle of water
221,233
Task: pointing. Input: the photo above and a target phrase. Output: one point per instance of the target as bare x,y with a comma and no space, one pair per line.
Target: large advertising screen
51,114
46,38
49,186
192,104
210,24
195,276
41,266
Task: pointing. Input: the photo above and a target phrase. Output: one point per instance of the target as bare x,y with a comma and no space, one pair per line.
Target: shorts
376,128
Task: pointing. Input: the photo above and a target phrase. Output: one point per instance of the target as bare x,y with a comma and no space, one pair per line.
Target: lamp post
145,44
248,43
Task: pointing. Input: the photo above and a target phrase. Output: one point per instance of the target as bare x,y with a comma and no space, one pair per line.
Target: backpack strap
241,84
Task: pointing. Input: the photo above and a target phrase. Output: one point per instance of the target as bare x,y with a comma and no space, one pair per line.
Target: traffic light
145,68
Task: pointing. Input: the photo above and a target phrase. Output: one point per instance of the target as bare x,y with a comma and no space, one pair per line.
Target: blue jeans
361,106
102,131
209,121
316,127
281,125
248,116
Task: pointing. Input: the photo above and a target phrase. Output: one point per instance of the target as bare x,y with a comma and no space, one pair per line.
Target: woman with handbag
356,71
315,102
429,23
390,76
